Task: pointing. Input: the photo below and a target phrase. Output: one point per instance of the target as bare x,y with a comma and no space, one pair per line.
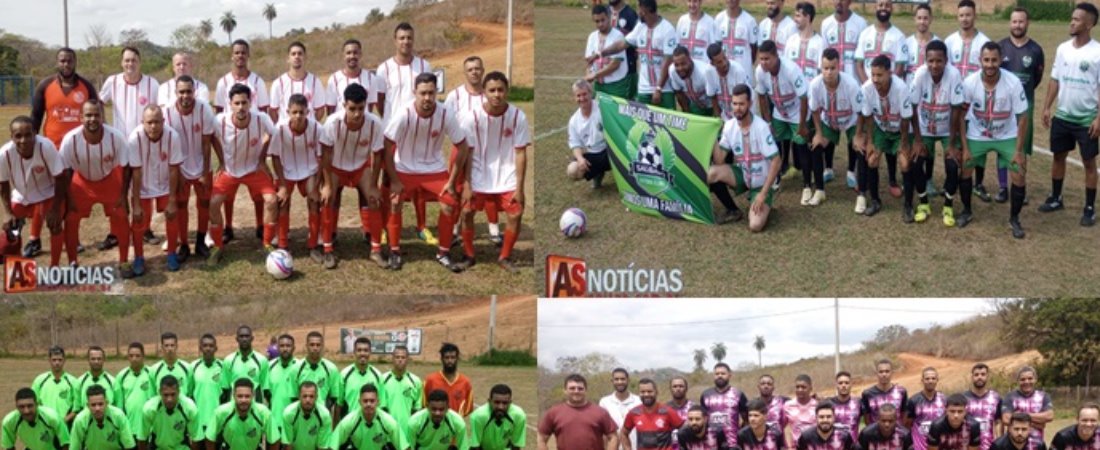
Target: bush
1043,10
506,358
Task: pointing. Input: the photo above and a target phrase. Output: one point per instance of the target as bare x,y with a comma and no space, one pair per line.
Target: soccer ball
573,222
648,152
279,264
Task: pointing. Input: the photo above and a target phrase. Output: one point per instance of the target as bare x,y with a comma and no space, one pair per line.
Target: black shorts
598,164
1064,136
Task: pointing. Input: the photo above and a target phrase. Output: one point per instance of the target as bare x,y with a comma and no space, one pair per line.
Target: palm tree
758,344
206,28
718,351
270,14
228,23
700,357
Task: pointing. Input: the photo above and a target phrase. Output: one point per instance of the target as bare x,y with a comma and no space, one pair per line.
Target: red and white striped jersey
400,82
191,128
285,86
253,81
242,146
493,141
32,179
128,100
155,158
339,81
298,153
95,161
461,100
351,149
419,140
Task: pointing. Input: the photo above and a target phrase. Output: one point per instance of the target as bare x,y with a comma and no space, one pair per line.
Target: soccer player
730,74
753,169
400,389
955,429
1024,58
607,73
804,48
206,384
800,412
883,128
456,385
281,388
242,422
924,408
825,435
766,386
244,363
96,376
169,420
1081,434
697,30
56,109
882,393
919,39
182,65
498,424
982,404
887,433
320,371
33,183
625,19
135,385
37,427
586,139
1075,121
468,97
936,96
170,364
576,422
1016,437
678,388
847,409
1027,399
696,435
100,425
654,39
245,136
835,102
964,50
414,162
498,137
159,152
369,426
777,26
727,406
57,389
996,122
437,427
619,402
738,35
194,123
353,73
305,426
96,154
841,31
883,38
759,432
783,103
654,423
294,148
297,80
362,372
694,84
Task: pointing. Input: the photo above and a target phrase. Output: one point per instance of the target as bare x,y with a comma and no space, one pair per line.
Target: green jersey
181,370
357,433
306,431
133,390
169,430
206,389
252,366
85,381
113,434
48,432
242,433
281,389
427,435
352,380
488,433
403,396
326,376
58,394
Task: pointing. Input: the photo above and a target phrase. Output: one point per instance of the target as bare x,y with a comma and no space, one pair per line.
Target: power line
693,322
912,310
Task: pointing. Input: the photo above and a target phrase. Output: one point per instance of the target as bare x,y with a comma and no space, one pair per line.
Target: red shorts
429,185
147,210
22,211
86,193
302,185
350,178
258,184
503,201
185,191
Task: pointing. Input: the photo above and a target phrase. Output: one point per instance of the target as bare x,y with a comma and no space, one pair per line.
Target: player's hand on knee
170,211
467,196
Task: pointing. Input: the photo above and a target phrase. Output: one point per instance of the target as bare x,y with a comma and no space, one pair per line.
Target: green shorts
886,142
668,99
930,144
833,135
786,131
741,187
1004,148
619,88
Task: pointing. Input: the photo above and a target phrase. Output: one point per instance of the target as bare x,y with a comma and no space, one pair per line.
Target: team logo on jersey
254,141
363,142
651,148
378,438
163,157
78,97
251,372
956,57
507,132
958,89
1084,66
672,42
832,38
178,426
309,97
142,100
144,385
312,430
435,134
1026,60
109,158
195,128
251,432
39,169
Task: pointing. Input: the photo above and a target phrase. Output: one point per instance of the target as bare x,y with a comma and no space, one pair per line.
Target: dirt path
490,43
954,373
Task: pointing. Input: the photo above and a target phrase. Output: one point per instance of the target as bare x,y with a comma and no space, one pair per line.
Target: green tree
206,29
1065,331
590,364
759,344
718,351
228,23
885,336
375,16
700,357
270,14
9,60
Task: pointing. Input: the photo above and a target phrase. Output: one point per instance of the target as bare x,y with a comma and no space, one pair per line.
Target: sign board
382,341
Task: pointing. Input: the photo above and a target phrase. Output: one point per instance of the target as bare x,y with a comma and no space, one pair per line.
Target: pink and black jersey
986,410
654,427
772,440
1005,443
775,409
1035,403
847,413
724,409
942,436
1068,439
924,411
688,440
837,440
801,418
874,398
682,411
871,438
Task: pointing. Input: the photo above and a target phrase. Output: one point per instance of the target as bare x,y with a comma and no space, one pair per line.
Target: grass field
822,251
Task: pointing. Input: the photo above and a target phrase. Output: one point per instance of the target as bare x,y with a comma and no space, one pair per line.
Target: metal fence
16,90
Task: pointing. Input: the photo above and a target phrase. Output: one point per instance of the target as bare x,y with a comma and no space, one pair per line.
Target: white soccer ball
573,222
649,153
279,264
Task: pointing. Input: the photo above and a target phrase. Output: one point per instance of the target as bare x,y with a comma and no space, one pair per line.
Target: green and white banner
660,158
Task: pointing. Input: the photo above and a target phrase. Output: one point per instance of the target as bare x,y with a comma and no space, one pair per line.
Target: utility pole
508,59
492,320
836,335
66,7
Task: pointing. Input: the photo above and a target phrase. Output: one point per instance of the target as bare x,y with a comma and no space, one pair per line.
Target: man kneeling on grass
586,140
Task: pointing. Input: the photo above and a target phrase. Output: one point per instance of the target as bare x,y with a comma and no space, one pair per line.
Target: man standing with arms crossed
1023,57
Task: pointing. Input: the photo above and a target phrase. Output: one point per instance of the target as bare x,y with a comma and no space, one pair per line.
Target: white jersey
916,48
95,161
285,86
779,32
587,132
400,82
738,36
253,81
992,114
935,100
242,147
596,43
735,76
965,55
1077,71
191,128
753,150
700,87
493,142
419,140
806,54
873,43
339,81
840,109
461,100
298,153
844,37
890,112
352,149
696,35
128,100
653,46
785,89
166,95
32,179
156,157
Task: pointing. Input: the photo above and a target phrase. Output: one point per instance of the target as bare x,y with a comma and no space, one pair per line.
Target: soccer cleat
895,190
1017,229
379,260
861,204
427,236
268,248
964,219
1088,217
983,194
201,249
508,264
395,260
228,236
33,248
126,270
1052,204
948,216
316,255
465,262
923,211
907,214
497,240
790,172
818,198
328,260
873,208
807,194
445,260
829,175
184,252
851,179
173,262
214,258
1002,195
730,216
456,241
151,238
108,243
139,266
